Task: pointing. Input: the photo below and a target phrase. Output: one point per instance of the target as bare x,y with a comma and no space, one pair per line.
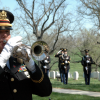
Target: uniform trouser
65,77
61,74
87,77
47,71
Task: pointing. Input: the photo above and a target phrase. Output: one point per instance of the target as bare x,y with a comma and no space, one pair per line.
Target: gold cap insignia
3,15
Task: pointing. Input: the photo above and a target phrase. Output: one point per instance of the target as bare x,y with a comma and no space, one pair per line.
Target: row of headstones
54,74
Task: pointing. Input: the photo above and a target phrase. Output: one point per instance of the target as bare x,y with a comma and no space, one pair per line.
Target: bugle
38,51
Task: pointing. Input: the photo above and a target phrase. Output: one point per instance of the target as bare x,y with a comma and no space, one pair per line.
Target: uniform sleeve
40,83
42,61
1,70
57,55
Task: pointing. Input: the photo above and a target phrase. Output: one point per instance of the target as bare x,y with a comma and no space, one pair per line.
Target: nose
4,35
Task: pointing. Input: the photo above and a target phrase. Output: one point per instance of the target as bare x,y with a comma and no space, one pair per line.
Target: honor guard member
65,66
86,63
59,55
45,64
19,79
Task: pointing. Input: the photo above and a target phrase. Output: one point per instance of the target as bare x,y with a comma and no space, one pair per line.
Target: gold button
14,90
12,79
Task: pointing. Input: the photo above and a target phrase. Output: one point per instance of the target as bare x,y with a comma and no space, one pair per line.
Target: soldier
45,64
65,66
59,55
86,63
18,79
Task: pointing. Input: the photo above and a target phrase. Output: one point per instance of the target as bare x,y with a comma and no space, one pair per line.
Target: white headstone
49,74
69,75
99,77
52,74
76,75
96,74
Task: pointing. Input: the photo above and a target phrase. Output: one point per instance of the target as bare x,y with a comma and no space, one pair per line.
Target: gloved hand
59,51
45,61
31,64
65,67
8,49
88,61
44,66
21,53
66,62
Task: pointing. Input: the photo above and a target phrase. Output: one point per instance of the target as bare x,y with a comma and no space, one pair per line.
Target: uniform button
12,79
14,90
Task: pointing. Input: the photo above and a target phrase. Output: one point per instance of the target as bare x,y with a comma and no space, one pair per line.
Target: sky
12,4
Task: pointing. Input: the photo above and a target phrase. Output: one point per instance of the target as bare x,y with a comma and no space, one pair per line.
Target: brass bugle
38,50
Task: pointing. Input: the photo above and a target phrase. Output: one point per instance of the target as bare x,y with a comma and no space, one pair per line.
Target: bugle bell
38,51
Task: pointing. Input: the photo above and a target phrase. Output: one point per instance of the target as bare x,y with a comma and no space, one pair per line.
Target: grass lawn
76,84
72,84
60,96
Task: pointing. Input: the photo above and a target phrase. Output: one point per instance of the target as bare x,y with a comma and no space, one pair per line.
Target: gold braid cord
39,81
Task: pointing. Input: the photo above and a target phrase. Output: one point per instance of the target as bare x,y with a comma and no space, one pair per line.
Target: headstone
99,77
56,73
69,75
52,74
76,75
96,74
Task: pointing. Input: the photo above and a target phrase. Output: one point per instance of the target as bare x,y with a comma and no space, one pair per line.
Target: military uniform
59,63
16,85
65,66
17,81
46,65
86,63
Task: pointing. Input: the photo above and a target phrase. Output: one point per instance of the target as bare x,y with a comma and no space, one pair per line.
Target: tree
39,17
90,9
87,39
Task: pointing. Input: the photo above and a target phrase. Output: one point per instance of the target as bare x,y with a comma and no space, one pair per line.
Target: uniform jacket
16,85
85,64
59,60
67,58
46,64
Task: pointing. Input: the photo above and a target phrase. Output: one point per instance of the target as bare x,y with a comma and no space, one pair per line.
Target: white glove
87,61
21,53
65,67
86,68
44,66
8,49
66,62
45,61
59,51
31,64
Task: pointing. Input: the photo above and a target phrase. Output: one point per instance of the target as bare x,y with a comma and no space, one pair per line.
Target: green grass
60,96
80,83
72,84
76,84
